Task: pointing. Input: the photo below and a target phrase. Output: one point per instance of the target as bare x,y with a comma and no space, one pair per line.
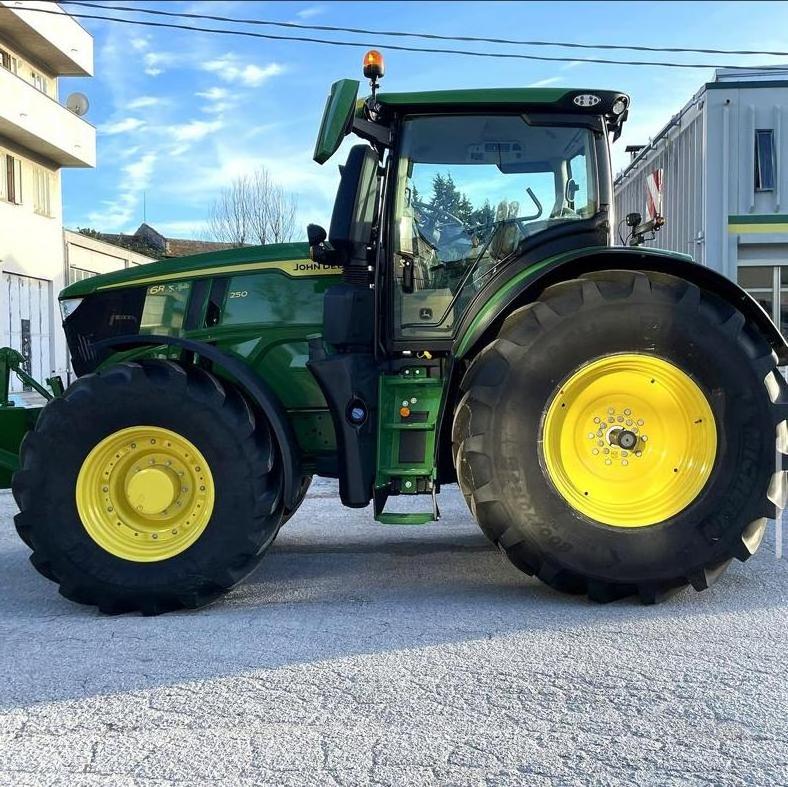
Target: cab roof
598,102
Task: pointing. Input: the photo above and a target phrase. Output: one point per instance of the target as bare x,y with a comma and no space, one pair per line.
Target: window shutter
3,178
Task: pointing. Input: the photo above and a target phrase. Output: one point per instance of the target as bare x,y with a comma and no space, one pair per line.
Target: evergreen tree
447,198
484,216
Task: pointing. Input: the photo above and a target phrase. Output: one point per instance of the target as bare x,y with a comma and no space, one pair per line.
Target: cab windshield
470,189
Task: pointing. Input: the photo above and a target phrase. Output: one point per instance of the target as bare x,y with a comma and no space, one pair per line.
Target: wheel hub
145,493
629,440
152,490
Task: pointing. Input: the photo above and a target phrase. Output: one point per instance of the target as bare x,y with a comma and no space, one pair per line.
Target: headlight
69,306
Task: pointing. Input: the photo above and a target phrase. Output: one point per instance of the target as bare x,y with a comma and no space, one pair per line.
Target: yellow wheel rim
145,494
629,440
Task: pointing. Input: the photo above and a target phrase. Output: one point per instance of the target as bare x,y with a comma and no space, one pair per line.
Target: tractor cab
465,182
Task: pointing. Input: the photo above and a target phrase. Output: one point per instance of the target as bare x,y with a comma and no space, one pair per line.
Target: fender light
68,306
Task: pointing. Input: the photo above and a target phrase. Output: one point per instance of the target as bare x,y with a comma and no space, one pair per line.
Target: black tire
509,385
306,482
217,419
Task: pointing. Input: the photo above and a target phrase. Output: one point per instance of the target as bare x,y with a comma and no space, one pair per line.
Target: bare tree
253,209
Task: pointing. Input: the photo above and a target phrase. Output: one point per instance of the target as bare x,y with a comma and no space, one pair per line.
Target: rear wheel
618,436
148,486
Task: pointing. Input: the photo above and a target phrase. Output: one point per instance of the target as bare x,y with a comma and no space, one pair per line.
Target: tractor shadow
333,586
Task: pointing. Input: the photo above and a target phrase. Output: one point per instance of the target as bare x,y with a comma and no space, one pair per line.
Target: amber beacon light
373,65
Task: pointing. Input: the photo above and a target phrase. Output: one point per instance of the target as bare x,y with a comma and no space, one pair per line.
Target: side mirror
316,236
633,219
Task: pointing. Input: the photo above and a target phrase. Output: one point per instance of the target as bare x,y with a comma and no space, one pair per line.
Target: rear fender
525,286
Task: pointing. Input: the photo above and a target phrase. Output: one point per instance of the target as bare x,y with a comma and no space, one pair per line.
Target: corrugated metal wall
680,156
27,323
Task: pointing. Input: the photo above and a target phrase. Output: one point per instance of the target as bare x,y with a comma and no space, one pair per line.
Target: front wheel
618,437
149,486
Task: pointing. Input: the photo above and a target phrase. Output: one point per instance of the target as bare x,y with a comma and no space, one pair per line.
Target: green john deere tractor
614,416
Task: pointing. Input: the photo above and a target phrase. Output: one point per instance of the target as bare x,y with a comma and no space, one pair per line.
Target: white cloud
214,93
310,11
138,173
143,101
122,126
195,130
230,70
217,100
155,62
139,43
116,215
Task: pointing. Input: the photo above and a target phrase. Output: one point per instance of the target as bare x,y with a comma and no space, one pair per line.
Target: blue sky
179,114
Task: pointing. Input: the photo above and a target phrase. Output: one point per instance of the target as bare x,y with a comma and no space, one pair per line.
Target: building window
8,61
768,284
10,179
39,82
764,159
42,180
80,274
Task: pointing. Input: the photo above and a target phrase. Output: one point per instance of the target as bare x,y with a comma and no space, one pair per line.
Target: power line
394,47
431,36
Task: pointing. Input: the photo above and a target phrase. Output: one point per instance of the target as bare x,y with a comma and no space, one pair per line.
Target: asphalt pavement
360,654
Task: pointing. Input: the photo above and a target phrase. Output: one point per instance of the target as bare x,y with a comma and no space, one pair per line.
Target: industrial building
724,189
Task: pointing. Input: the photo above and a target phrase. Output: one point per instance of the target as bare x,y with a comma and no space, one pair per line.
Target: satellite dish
78,103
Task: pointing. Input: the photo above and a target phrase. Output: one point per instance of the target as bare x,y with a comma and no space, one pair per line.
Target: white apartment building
38,137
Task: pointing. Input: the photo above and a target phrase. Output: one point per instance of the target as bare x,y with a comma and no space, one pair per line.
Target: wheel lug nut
643,437
627,411
640,422
624,462
608,461
596,420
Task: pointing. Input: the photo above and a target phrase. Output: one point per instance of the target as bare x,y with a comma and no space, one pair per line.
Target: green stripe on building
771,222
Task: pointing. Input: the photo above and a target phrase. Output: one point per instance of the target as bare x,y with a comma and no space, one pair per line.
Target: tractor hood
291,258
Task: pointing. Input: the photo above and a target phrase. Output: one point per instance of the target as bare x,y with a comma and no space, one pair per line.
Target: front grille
100,316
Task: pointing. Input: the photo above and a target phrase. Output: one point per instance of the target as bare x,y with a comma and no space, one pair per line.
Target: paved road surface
359,654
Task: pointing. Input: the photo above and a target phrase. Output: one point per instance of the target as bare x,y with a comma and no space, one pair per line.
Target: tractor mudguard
524,284
250,383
